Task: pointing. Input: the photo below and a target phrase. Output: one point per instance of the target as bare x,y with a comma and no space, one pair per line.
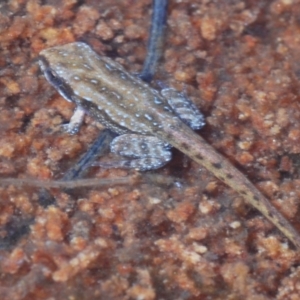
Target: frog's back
106,90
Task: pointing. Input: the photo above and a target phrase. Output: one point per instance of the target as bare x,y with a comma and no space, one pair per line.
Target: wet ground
178,233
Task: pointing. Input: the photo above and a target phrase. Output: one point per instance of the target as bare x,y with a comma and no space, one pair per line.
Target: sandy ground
179,233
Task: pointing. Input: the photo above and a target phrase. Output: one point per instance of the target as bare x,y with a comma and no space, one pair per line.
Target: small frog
147,121
119,101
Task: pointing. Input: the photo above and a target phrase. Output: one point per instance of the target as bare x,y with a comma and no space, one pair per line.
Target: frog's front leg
75,122
141,152
65,91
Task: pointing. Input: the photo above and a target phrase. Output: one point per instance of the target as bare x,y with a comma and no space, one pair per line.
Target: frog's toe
70,128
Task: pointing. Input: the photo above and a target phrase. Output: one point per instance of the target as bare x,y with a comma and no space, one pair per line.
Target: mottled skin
126,105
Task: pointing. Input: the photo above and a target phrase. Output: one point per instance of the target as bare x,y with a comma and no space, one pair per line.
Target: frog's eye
53,78
57,82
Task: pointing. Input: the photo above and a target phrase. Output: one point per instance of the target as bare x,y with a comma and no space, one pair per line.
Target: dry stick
71,184
90,182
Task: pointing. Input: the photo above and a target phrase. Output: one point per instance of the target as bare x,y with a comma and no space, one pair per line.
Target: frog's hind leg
184,108
141,152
